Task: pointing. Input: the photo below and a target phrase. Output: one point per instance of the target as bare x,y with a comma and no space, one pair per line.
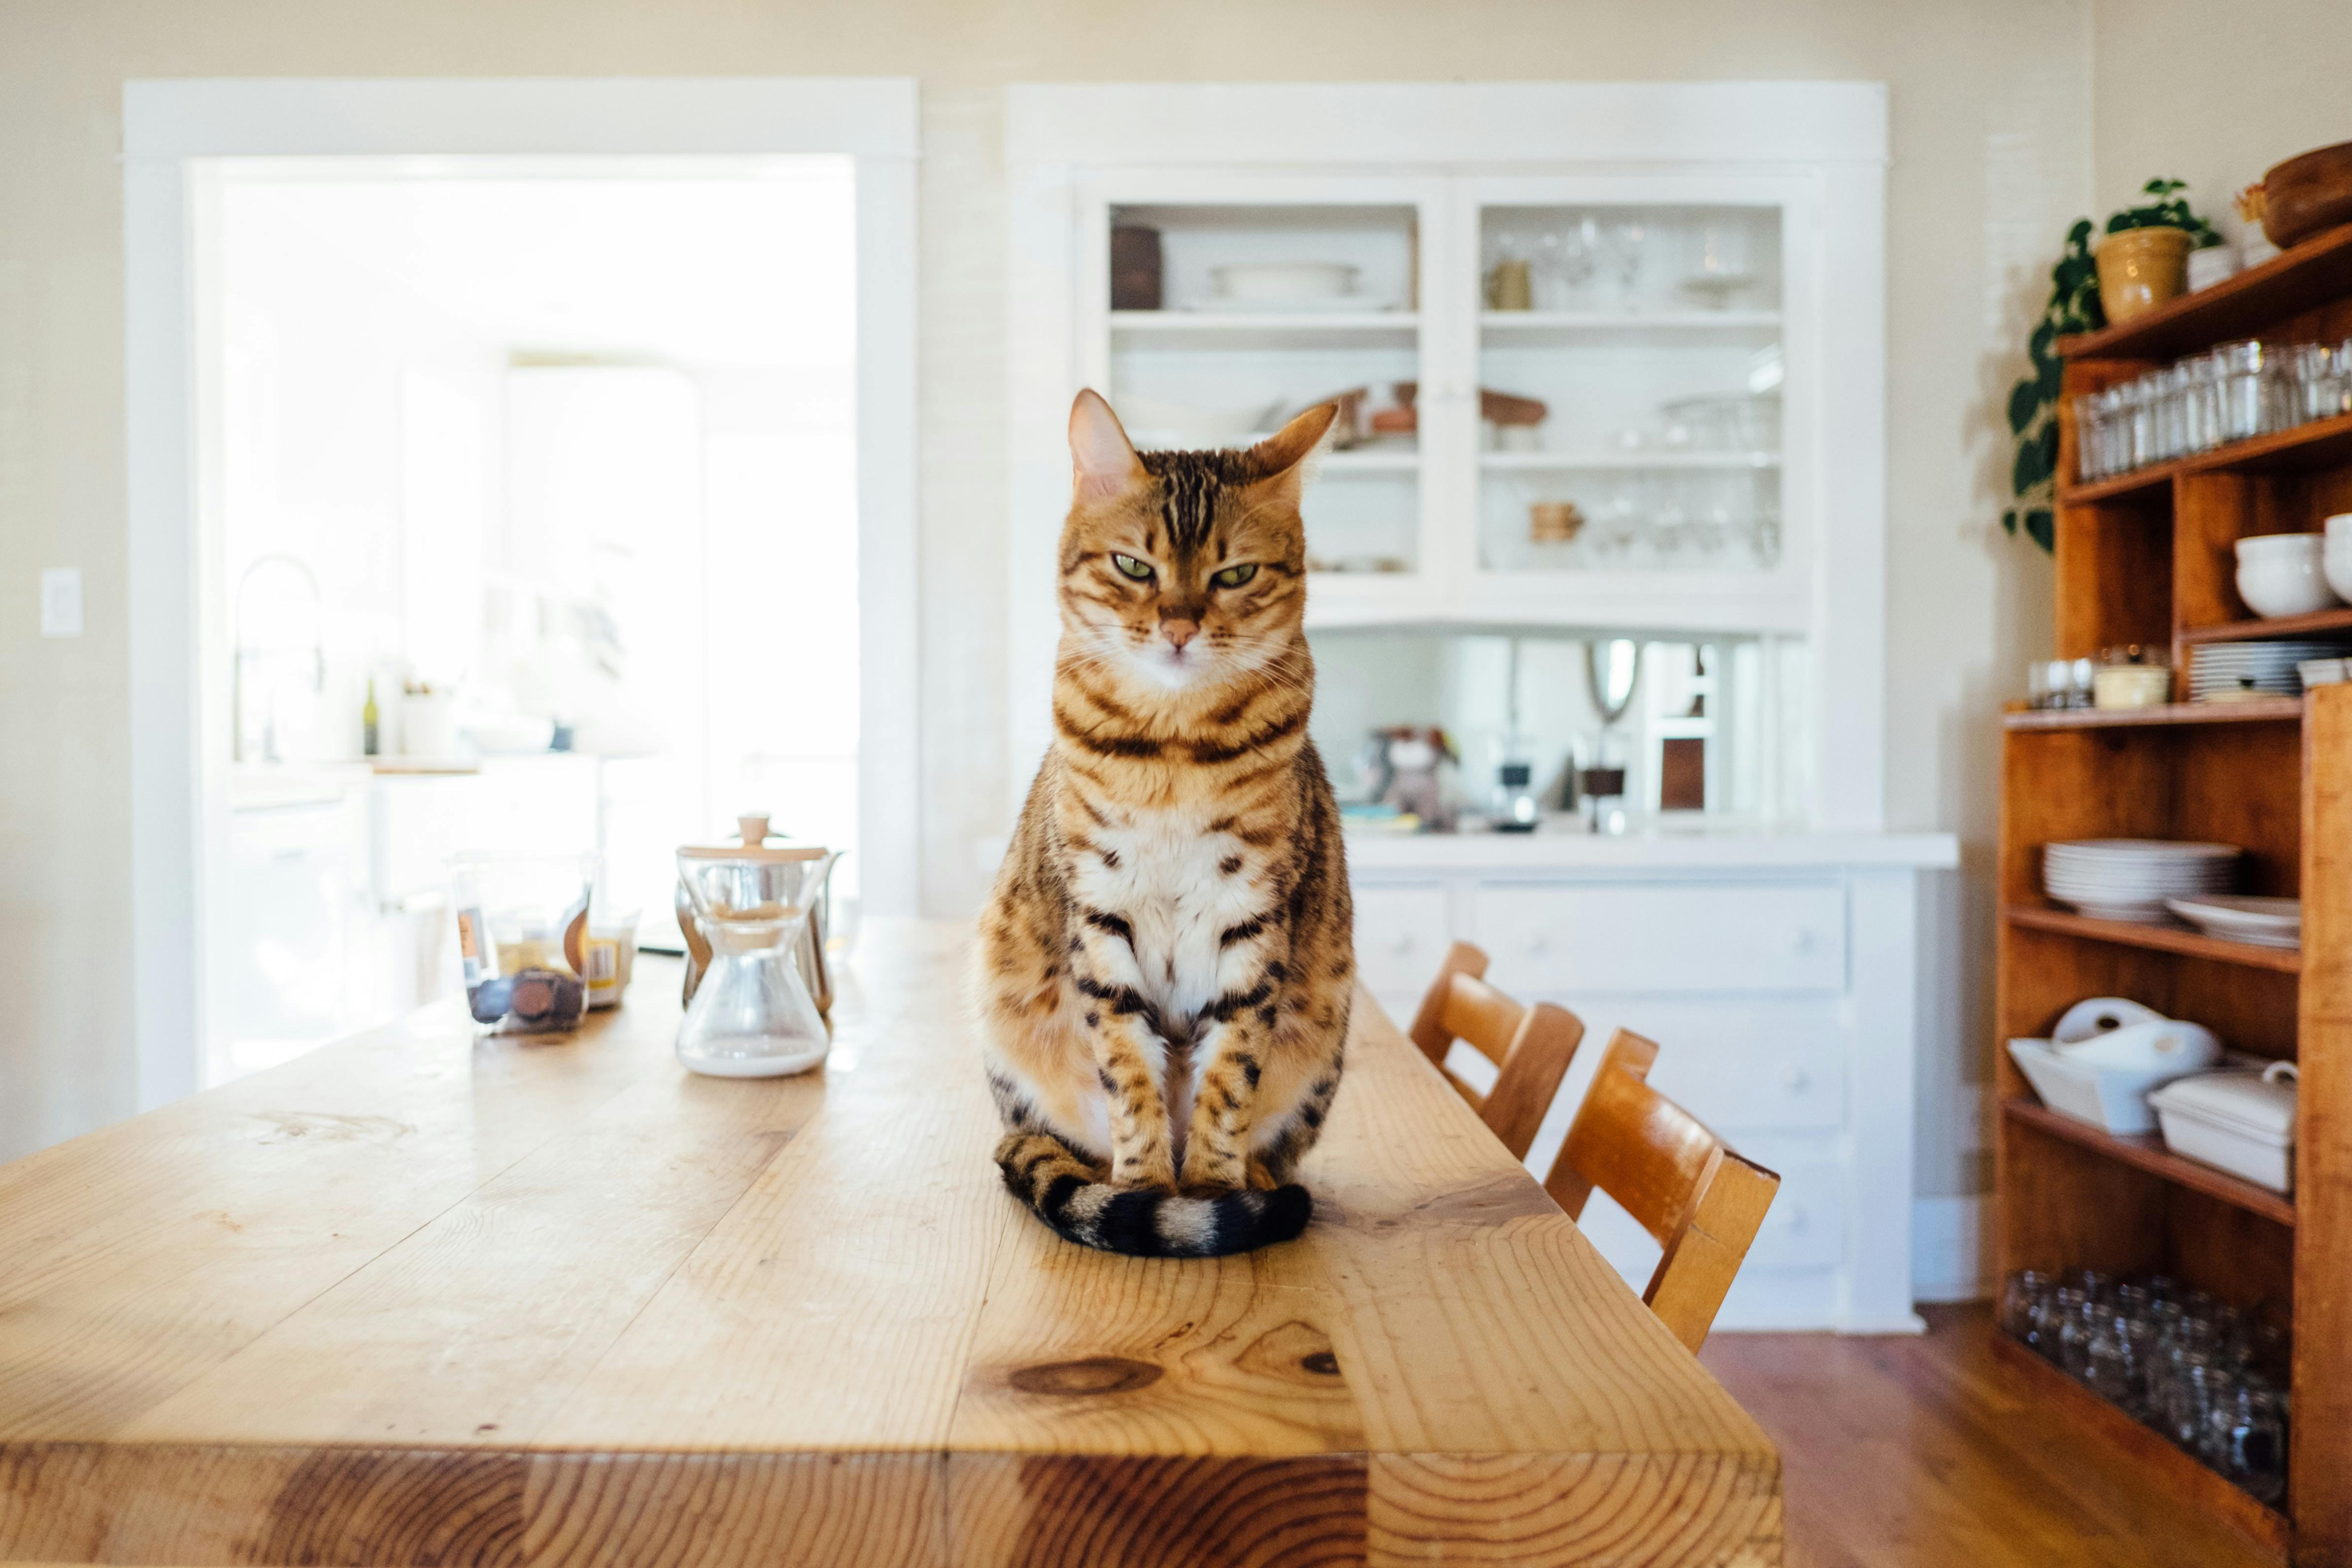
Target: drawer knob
1401,943
1794,1077
1535,943
1803,941
1791,1218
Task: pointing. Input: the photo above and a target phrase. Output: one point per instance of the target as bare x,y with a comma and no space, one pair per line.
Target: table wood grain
418,1299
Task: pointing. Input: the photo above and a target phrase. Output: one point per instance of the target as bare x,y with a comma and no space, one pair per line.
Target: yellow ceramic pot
2139,269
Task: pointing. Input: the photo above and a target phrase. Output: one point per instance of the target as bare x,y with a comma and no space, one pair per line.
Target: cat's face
1183,570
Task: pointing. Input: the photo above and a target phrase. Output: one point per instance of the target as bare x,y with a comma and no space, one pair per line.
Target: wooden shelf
2146,1152
2158,938
2263,710
2319,444
2317,622
1516,323
2176,1473
1571,461
2313,273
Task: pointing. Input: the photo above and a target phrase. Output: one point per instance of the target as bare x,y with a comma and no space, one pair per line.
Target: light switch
61,602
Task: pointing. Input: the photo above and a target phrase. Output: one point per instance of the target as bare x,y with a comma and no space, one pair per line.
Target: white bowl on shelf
2283,574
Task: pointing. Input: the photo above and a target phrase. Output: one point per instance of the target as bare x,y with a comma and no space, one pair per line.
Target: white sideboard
1779,976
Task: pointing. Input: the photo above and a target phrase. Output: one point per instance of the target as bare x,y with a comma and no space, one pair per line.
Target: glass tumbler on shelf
2022,1299
753,1016
2246,1437
2077,1317
2244,390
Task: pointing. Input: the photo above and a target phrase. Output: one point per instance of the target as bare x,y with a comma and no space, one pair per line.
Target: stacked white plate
2264,922
2218,671
2130,879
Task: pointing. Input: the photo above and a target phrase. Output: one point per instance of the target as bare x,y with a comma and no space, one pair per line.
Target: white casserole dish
2112,1097
2240,1122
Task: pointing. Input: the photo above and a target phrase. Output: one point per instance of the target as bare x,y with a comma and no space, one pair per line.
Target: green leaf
2042,529
2032,466
2009,521
2024,402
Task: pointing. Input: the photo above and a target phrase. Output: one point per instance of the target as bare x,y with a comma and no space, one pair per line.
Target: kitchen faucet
240,653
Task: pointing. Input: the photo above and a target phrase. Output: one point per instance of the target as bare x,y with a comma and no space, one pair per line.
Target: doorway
529,500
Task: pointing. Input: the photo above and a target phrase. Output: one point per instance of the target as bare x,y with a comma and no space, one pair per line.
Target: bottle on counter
369,720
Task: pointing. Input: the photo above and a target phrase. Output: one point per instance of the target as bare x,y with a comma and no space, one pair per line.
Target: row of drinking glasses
2234,391
2200,1372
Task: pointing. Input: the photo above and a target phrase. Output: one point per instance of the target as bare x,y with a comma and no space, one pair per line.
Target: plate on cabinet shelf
1569,461
1304,305
2264,922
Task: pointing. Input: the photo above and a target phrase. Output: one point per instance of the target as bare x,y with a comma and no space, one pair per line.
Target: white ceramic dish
2264,922
2241,1123
2284,584
2110,1097
2095,1015
1284,283
2153,1045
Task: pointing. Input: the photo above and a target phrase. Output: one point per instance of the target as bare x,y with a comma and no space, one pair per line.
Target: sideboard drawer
1680,937
1785,1086
1401,938
1805,1226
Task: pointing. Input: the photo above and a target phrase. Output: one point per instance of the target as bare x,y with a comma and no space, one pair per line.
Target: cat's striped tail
1064,1192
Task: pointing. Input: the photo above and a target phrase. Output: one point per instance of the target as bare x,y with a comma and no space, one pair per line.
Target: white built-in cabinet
1702,321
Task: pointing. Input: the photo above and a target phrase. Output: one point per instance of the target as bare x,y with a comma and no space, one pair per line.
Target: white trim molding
174,131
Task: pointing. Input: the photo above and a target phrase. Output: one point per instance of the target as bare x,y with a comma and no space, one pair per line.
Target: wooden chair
1701,1202
1530,1047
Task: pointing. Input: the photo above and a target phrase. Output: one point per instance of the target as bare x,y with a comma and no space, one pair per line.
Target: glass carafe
753,1016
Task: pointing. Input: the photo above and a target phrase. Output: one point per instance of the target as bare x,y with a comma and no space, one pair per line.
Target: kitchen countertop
414,1298
1724,848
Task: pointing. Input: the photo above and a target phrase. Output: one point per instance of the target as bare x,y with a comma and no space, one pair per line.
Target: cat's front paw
1148,1175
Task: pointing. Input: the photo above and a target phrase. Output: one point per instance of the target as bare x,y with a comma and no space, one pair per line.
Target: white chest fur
1170,886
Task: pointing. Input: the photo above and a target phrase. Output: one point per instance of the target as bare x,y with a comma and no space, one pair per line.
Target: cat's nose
1179,632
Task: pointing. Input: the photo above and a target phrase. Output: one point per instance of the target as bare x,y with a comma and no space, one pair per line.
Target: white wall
1992,156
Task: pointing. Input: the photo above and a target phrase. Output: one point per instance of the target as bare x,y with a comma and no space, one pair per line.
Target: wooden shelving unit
2149,558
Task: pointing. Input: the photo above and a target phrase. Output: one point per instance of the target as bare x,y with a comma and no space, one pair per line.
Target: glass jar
2201,404
2077,1319
2244,390
2022,1300
2112,1364
2246,1437
2189,1400
2089,438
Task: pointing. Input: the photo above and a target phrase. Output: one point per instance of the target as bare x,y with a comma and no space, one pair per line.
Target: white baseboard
1950,1257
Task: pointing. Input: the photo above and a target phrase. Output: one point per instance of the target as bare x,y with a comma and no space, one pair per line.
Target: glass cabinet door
1223,317
1630,374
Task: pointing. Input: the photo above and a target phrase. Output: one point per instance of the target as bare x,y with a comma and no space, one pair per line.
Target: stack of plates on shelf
2220,672
2130,879
2264,922
2324,672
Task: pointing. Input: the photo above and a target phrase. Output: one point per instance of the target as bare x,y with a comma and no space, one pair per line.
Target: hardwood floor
1922,1452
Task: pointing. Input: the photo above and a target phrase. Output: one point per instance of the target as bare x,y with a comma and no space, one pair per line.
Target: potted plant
2144,259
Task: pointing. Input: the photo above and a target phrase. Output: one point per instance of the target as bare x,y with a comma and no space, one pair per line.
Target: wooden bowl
2309,194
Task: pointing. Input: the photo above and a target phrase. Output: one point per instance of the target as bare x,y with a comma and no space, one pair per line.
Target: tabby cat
1166,962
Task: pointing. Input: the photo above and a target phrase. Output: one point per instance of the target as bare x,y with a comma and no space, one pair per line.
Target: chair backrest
1530,1047
1699,1200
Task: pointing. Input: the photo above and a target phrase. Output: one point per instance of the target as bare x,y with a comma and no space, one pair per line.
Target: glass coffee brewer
753,1016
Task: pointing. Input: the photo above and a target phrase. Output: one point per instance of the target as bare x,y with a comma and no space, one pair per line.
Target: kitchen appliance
817,969
752,1015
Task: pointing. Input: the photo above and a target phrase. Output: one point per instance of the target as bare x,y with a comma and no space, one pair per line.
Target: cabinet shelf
2321,621
1625,462
1398,460
2171,1472
2314,273
2262,710
1258,329
1511,328
2320,444
2156,938
2145,1151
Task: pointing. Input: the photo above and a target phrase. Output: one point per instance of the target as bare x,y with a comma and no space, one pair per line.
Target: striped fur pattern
1166,961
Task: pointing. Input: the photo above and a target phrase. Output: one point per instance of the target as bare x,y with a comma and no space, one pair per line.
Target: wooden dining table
419,1297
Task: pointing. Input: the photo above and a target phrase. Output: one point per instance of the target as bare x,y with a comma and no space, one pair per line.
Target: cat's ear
1284,460
1102,457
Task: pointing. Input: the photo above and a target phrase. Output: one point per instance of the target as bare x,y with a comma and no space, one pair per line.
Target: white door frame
170,130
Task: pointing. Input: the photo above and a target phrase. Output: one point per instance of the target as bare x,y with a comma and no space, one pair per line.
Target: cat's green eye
1130,567
1235,576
